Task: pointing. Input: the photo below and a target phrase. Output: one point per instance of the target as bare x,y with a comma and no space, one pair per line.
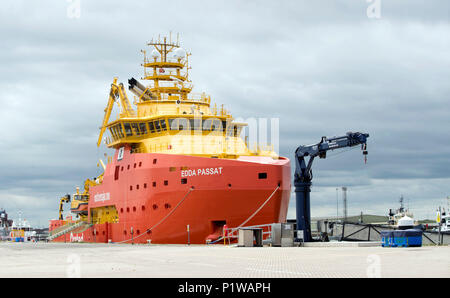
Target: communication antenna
344,197
401,203
337,204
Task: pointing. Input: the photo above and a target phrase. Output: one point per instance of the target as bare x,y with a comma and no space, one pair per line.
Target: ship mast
167,70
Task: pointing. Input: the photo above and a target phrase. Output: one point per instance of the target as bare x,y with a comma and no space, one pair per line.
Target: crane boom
303,173
65,199
117,91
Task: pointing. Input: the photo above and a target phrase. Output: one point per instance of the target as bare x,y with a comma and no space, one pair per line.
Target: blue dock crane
303,172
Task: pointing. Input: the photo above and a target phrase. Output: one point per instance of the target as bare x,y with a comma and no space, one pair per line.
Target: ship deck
125,260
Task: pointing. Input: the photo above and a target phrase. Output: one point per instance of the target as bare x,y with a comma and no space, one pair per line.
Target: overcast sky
322,67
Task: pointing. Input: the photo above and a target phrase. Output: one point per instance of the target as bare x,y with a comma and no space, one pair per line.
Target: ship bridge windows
162,122
116,131
179,124
113,133
128,130
183,124
143,128
195,124
151,127
157,126
81,197
216,125
234,130
211,124
207,124
135,127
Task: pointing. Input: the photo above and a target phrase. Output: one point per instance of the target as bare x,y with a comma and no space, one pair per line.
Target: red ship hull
158,195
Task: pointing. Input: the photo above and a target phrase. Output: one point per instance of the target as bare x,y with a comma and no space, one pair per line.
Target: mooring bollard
132,232
225,233
188,235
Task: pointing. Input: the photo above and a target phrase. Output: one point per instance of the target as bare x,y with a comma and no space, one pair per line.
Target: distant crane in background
303,172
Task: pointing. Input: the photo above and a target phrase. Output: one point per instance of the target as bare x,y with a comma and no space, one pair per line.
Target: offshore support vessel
181,169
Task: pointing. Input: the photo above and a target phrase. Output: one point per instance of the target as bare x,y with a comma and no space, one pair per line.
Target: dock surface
125,260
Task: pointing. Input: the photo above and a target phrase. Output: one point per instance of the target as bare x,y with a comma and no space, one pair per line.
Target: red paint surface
229,197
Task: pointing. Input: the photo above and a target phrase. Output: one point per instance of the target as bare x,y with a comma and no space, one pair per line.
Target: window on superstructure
173,124
113,133
119,130
128,130
157,125
232,130
224,125
216,125
163,124
143,128
151,127
183,124
207,124
179,124
195,124
135,127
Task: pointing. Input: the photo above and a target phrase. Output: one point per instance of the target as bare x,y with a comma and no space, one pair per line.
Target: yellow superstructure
80,200
168,117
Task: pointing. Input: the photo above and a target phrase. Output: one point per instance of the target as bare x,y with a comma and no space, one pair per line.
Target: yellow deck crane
65,199
117,92
80,200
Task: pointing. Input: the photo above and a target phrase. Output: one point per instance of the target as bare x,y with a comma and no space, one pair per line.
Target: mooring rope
250,217
162,220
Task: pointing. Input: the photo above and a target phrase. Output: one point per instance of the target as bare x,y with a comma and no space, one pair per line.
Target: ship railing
267,230
197,97
260,148
171,84
167,72
201,97
68,228
168,59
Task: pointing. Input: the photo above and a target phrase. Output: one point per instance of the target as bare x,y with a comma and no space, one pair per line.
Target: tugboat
402,215
180,169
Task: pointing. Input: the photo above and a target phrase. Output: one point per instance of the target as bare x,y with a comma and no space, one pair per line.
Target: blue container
386,238
401,238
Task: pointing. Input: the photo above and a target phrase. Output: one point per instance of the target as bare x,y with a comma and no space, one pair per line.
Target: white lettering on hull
202,172
101,197
76,238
